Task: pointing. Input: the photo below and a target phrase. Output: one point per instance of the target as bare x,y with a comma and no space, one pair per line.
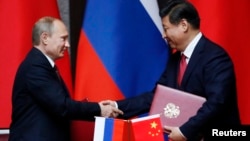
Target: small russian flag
110,129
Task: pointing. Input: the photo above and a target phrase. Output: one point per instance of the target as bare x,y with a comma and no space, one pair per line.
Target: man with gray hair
42,107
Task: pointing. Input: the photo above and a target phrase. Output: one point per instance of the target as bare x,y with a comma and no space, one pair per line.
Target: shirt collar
190,48
52,63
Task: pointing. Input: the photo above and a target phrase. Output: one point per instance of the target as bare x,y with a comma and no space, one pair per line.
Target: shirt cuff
116,105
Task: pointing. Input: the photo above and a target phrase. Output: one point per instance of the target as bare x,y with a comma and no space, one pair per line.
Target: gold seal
171,110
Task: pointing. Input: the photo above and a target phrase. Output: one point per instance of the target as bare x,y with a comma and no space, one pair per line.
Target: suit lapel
44,61
194,60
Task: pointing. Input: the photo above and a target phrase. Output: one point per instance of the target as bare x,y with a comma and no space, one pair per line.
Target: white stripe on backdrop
152,8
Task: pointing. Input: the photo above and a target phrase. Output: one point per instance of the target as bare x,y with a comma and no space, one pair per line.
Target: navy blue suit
42,107
210,74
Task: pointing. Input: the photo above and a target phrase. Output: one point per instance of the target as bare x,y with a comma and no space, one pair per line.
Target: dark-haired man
209,73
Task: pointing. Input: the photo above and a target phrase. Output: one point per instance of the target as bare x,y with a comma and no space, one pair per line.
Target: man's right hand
108,109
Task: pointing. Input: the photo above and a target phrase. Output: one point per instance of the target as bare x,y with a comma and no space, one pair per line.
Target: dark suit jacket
210,73
42,107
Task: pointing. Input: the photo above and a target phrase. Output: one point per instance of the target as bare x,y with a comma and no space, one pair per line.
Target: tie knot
183,56
55,68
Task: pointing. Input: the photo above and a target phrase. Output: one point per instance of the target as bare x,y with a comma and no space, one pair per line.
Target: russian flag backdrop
121,52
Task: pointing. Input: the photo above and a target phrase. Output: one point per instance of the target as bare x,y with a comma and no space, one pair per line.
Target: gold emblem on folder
171,110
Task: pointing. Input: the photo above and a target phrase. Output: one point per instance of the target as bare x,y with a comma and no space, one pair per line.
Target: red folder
174,106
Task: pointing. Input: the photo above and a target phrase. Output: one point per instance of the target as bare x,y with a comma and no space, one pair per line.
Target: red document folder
174,106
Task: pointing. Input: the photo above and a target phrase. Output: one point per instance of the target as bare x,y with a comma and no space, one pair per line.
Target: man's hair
180,9
44,24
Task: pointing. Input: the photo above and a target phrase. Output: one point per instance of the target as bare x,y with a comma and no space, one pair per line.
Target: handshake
109,109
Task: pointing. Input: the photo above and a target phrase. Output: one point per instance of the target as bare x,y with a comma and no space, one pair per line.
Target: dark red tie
183,65
57,72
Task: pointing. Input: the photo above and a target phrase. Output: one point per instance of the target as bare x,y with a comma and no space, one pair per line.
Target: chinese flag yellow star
153,125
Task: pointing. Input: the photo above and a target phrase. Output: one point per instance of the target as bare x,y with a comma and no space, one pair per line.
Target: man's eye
63,38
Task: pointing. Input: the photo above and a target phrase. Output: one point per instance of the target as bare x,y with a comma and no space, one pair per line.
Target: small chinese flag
147,128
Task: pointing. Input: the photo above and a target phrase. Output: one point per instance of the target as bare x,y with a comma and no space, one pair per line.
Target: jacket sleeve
53,97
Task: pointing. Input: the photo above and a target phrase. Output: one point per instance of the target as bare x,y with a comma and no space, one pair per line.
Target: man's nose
67,44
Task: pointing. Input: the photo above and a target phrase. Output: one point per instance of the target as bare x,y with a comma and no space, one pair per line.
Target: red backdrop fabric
226,23
17,19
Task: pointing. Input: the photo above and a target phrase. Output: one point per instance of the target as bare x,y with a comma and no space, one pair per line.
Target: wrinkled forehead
59,27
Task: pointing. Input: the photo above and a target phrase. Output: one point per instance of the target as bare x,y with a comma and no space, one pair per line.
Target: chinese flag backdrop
17,19
226,22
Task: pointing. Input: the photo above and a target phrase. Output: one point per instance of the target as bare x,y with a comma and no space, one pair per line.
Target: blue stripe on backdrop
128,43
108,128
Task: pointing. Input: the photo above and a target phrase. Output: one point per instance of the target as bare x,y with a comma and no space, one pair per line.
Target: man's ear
184,25
44,38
